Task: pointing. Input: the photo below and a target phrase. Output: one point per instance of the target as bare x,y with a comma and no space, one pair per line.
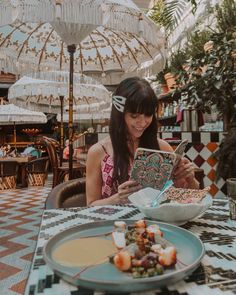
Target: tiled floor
20,219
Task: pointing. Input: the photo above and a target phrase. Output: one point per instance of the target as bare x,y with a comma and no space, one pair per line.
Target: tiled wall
200,150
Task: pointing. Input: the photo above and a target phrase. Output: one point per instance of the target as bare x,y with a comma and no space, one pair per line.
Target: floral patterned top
109,187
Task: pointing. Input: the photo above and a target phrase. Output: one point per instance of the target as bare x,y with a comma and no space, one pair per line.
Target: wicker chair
37,171
8,174
67,194
60,173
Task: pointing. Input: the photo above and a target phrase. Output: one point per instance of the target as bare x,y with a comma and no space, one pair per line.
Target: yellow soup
84,251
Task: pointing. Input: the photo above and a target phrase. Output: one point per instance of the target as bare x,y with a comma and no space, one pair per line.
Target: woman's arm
94,178
93,174
94,181
184,175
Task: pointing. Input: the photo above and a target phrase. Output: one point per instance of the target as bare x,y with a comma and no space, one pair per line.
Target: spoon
167,185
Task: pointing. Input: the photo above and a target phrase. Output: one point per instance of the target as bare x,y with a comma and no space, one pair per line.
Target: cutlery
167,185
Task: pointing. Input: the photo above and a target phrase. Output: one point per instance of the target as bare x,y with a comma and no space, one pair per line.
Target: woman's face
137,123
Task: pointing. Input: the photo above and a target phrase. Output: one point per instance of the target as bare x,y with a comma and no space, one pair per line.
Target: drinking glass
231,190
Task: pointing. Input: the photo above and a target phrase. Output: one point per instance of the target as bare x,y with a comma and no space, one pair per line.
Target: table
22,173
215,275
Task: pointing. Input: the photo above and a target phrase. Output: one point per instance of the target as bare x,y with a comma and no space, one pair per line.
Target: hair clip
119,102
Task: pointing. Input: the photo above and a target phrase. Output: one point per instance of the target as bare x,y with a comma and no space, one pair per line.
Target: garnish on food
184,196
145,253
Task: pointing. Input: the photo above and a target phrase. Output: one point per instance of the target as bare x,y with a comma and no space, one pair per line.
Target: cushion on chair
67,194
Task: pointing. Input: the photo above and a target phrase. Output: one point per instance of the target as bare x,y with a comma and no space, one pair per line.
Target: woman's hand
127,188
184,175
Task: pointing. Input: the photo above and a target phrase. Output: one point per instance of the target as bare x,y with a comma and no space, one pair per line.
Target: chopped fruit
154,229
122,260
144,252
167,256
141,223
156,248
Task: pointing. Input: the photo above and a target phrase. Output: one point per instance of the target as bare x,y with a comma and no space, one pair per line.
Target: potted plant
195,43
160,77
177,62
217,86
226,156
226,24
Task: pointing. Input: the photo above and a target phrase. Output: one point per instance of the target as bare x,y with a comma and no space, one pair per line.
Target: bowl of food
176,205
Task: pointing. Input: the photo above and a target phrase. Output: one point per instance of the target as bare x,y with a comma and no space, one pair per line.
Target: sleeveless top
109,187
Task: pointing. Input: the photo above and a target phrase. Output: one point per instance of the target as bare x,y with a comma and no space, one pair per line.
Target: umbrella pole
14,135
61,129
71,49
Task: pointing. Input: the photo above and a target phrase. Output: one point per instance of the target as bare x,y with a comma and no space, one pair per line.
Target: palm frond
169,12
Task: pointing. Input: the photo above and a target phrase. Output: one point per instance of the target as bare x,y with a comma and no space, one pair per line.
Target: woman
133,124
65,154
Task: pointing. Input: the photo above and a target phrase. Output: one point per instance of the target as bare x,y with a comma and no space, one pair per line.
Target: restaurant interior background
204,130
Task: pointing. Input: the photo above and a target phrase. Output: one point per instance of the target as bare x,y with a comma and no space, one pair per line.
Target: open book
153,168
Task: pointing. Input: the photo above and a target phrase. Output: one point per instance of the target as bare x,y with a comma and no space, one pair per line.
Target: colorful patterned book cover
153,168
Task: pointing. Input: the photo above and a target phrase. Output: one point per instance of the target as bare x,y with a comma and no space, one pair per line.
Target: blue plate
106,277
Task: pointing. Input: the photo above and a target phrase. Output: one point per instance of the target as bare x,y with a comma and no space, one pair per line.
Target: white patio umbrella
105,54
73,20
76,19
11,114
79,117
36,92
51,95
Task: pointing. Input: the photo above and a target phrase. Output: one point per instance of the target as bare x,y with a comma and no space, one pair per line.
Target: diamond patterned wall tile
207,168
199,147
201,153
213,190
212,175
205,137
211,161
212,146
199,160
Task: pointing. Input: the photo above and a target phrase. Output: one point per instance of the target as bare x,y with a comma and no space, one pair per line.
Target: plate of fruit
124,255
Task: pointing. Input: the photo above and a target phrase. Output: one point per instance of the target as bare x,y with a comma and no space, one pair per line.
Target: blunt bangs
142,102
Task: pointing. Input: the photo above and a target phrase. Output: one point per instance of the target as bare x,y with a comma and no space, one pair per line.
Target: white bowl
174,213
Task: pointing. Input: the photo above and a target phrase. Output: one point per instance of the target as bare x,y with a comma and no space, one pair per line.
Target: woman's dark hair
140,98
